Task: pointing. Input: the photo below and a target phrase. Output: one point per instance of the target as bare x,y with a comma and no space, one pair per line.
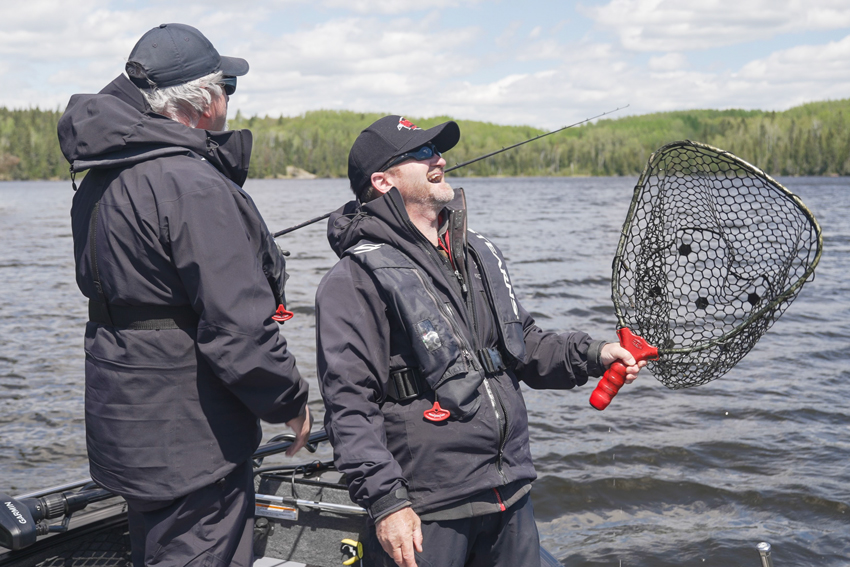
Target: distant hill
812,139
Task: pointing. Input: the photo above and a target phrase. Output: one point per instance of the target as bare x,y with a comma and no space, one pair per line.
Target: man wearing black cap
185,283
422,344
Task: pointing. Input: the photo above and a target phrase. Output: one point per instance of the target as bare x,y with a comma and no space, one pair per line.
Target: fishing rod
491,154
459,165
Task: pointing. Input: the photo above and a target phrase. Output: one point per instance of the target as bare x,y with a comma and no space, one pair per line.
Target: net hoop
724,166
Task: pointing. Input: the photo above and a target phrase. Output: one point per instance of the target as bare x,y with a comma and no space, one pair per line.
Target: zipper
429,249
459,277
462,283
469,294
502,424
426,244
466,349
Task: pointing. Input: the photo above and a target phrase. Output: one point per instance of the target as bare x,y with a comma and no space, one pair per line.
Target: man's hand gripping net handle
615,376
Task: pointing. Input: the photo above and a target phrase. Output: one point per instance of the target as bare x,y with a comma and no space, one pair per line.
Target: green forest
812,139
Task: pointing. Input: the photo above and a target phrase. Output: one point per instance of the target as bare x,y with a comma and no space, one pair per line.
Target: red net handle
615,376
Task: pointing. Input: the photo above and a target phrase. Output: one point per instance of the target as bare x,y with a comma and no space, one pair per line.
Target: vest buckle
404,384
491,360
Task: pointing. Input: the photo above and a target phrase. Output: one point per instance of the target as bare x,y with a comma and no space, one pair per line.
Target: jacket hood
382,220
117,128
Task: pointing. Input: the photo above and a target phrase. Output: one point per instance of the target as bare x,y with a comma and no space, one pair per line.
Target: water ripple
661,477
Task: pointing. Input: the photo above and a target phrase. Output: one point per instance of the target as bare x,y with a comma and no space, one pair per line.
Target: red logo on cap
404,123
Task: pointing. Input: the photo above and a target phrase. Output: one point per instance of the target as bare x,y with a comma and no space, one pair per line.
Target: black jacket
169,411
384,446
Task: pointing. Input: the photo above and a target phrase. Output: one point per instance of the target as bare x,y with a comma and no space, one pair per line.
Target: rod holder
764,552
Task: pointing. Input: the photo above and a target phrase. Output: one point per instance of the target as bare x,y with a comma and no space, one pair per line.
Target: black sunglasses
419,154
229,85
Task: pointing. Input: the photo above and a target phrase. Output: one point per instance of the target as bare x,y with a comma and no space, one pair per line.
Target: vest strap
143,317
405,384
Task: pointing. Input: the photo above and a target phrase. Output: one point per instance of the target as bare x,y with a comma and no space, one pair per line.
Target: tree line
812,139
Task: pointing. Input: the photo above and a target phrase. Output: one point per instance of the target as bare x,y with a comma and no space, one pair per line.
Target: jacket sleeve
353,341
226,285
557,361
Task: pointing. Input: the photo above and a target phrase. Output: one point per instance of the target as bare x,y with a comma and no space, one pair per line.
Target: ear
208,109
381,182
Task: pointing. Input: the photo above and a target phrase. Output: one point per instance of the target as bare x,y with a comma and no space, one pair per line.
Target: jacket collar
116,128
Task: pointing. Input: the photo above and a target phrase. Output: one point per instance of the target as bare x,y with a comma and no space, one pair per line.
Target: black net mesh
712,253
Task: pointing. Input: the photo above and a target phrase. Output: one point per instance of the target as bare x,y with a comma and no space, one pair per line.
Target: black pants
504,539
211,527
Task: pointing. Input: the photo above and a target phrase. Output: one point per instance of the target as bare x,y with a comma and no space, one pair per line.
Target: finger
417,538
300,442
632,374
407,554
389,549
624,356
296,446
398,557
301,428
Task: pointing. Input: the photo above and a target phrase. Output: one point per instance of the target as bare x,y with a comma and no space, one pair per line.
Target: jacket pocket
445,461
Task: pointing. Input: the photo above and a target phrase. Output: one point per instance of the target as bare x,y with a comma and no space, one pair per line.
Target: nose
441,162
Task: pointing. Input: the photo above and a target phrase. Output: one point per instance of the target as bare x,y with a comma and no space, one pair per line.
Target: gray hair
185,103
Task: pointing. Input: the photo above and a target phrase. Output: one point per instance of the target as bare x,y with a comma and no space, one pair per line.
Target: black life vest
447,361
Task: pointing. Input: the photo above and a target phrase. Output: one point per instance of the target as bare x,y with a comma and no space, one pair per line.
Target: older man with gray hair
185,284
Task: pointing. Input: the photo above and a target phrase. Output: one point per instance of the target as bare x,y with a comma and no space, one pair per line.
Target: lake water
661,478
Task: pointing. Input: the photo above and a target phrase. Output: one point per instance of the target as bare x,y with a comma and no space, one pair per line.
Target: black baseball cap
389,137
173,54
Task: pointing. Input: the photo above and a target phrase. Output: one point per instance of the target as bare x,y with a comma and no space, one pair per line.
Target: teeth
435,177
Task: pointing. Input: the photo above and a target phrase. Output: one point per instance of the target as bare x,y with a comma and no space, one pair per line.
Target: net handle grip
615,376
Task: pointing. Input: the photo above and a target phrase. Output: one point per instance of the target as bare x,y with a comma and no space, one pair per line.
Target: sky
534,62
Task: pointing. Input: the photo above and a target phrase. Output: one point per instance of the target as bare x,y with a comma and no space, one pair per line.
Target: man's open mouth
435,176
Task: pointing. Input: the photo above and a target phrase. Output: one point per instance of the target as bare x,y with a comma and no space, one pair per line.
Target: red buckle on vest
282,314
436,413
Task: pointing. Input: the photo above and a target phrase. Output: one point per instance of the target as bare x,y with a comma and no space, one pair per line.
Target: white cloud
393,6
508,35
797,75
577,53
672,25
668,62
822,63
510,70
598,79
354,63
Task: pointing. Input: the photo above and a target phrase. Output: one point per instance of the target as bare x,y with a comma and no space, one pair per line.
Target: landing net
713,251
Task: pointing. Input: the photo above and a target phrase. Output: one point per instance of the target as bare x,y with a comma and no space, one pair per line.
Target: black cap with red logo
389,137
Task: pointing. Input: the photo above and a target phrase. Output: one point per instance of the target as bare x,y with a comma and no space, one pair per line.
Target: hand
613,352
301,425
399,533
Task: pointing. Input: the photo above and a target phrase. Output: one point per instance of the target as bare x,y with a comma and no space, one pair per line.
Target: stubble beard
429,195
